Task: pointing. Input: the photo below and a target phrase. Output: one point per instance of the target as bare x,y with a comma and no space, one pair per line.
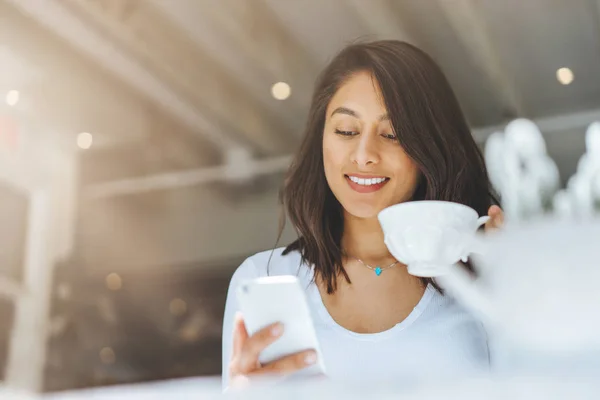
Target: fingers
495,211
255,344
496,220
247,349
291,363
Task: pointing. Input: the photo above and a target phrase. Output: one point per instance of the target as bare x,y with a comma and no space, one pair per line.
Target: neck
363,239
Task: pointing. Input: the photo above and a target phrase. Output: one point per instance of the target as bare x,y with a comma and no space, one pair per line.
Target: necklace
377,269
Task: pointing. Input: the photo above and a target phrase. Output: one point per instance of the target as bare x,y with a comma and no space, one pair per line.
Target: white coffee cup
430,236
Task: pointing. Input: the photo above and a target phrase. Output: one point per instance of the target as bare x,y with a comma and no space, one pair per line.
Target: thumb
496,218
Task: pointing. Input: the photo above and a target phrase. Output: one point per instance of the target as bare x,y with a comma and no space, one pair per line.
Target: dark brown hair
429,124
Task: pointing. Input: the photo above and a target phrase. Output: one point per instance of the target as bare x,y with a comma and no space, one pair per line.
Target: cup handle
482,220
476,245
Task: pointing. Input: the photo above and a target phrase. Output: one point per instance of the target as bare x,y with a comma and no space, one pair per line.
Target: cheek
408,173
332,158
411,170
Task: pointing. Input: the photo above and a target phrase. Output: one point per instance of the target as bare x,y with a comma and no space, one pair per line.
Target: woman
384,127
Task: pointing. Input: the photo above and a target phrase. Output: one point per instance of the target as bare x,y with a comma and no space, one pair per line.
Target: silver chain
378,270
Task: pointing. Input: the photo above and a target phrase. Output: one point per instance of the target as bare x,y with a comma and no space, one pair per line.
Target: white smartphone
264,301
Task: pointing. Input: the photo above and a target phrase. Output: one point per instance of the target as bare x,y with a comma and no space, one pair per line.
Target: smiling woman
384,128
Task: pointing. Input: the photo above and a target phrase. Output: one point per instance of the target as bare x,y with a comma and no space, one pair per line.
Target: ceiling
171,86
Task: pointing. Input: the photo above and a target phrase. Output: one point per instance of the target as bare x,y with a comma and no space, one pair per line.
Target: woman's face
365,166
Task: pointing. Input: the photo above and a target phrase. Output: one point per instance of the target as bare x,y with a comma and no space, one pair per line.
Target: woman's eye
345,133
390,136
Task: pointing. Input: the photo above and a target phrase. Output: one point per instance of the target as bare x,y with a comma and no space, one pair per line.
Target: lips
366,183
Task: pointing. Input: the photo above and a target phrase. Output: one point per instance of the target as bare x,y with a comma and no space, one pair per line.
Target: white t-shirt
437,338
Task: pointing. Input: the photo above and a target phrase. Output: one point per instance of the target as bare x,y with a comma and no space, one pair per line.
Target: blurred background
143,143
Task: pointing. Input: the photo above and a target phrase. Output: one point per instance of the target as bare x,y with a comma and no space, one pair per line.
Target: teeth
366,182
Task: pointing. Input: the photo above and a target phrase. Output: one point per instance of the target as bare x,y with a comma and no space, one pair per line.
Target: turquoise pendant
377,271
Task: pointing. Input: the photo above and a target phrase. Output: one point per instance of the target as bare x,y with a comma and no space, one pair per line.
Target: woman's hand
496,220
246,349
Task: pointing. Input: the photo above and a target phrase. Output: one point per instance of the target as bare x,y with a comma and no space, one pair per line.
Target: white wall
178,227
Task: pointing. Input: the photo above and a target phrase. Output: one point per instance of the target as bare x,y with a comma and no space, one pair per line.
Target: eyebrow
352,113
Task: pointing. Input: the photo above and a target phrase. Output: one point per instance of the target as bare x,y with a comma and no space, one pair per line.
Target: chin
363,211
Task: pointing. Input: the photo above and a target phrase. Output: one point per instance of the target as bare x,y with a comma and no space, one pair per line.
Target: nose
366,152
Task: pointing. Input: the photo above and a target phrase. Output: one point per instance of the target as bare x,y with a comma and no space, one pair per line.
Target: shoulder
269,263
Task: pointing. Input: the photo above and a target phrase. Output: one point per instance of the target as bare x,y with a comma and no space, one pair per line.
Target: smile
366,184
